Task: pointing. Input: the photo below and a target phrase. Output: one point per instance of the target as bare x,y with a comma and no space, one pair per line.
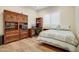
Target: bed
59,38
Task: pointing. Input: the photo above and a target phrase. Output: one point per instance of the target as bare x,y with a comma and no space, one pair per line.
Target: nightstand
30,32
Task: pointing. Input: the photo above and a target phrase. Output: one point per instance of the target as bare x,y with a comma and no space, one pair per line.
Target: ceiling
37,7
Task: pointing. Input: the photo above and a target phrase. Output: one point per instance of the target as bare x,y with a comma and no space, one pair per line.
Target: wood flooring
28,45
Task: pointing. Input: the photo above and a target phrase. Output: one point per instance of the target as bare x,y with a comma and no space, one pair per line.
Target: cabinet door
25,18
11,36
10,16
23,34
22,18
19,17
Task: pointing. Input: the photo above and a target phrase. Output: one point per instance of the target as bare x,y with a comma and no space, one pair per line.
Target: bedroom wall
25,10
77,21
66,15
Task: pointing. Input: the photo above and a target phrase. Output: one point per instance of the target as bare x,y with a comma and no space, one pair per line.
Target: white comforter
60,35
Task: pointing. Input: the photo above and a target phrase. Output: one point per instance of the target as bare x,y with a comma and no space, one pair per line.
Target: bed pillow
60,27
54,27
64,27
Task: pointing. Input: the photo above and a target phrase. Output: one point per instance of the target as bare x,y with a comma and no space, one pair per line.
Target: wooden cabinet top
14,17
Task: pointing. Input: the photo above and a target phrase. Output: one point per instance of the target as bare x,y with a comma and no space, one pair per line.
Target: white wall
66,15
77,21
30,12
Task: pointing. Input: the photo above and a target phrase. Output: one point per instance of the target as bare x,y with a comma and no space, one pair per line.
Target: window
46,21
51,19
55,19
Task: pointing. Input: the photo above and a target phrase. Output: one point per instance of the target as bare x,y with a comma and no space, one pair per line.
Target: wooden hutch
15,26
